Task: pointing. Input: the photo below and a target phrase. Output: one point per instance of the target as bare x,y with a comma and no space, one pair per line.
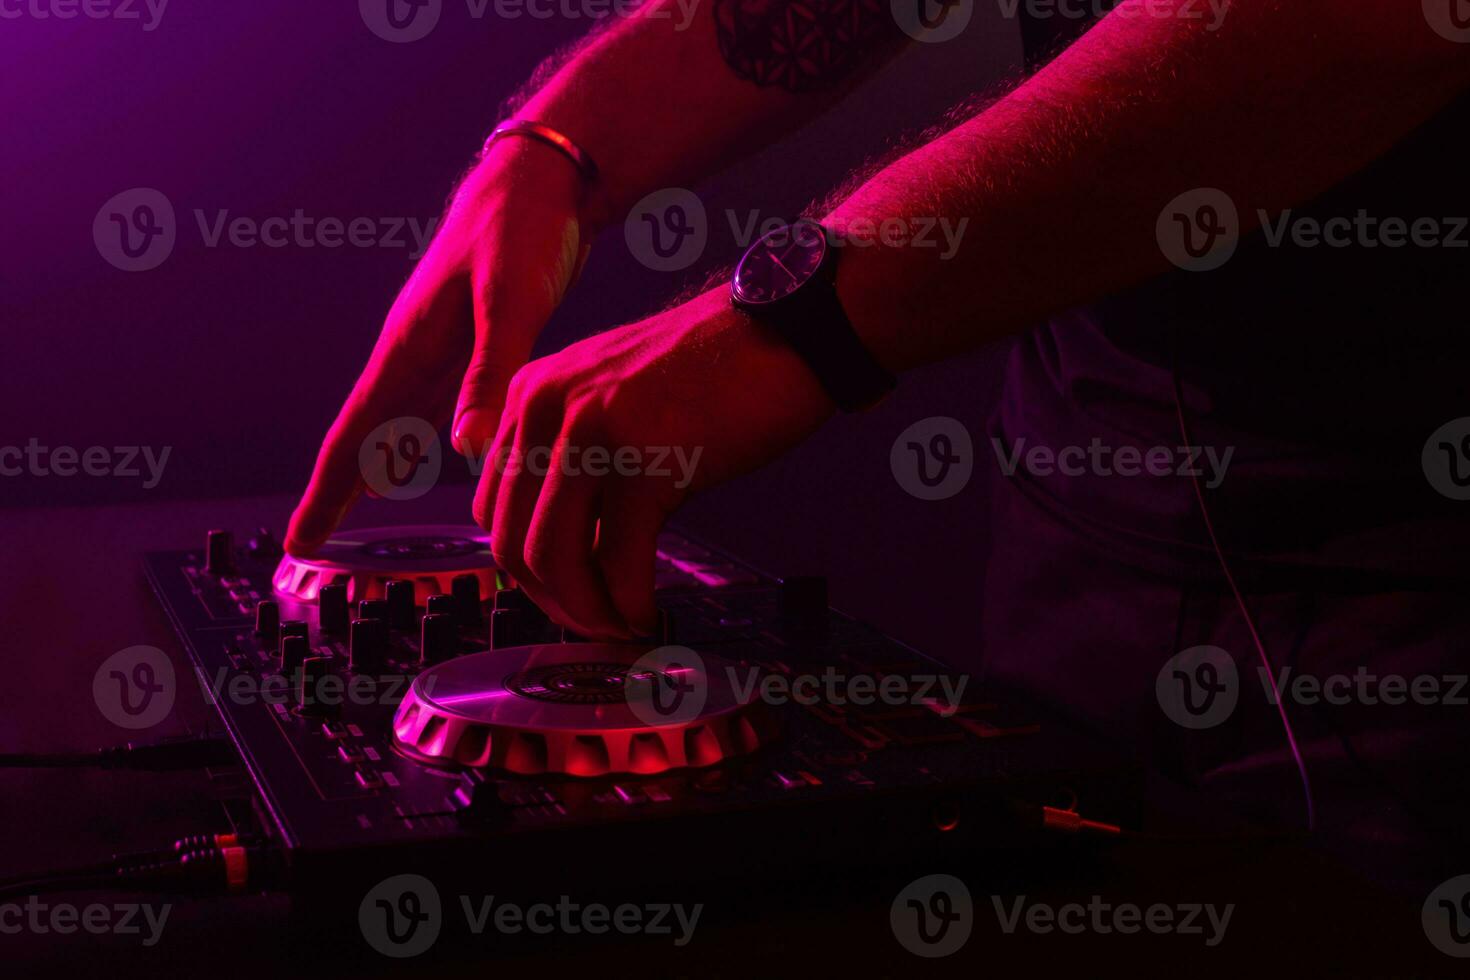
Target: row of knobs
368,632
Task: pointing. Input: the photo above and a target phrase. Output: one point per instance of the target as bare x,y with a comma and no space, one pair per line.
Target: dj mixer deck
396,695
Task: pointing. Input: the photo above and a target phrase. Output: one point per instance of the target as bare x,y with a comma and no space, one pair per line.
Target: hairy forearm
1060,184
681,88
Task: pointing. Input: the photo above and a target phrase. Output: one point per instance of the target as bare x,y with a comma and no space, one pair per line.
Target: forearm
679,89
1060,184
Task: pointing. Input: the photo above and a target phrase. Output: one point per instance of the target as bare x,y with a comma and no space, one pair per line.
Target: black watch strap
817,328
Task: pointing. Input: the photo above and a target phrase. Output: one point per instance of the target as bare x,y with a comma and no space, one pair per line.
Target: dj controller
395,696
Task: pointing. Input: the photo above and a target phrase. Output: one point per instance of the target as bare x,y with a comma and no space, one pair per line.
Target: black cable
1250,622
198,864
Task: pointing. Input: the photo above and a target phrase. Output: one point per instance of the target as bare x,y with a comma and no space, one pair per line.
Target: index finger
407,377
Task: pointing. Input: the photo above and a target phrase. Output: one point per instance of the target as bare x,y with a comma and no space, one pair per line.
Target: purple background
237,358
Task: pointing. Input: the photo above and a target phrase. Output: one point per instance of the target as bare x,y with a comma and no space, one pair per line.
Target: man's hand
570,492
509,248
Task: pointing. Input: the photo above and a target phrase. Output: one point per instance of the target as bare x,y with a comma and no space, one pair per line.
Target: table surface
72,593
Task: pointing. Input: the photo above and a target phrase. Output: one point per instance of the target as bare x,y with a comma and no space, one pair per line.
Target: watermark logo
667,686
401,458
932,21
405,21
941,693
933,916
1096,459
134,688
327,690
677,463
1449,18
1446,917
933,459
148,13
1446,459
38,460
1199,687
1199,230
401,21
135,230
1210,12
43,918
401,916
573,918
1105,918
667,230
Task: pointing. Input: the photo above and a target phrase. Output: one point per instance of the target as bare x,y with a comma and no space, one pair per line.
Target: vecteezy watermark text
595,461
933,917
572,918
836,688
148,13
1211,12
669,229
1096,459
406,21
64,919
402,916
302,230
1101,917
39,460
293,688
1200,687
1200,230
136,230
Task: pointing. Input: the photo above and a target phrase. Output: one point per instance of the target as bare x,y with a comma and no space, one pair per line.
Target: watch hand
782,266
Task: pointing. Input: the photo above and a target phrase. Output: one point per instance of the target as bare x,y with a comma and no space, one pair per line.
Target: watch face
779,264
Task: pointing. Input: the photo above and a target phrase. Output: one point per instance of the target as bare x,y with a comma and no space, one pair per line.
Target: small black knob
218,553
263,545
294,651
290,627
333,613
440,604
373,609
312,696
439,638
400,605
367,647
466,592
508,628
267,619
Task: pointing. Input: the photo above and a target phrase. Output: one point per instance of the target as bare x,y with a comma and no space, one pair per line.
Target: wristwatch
787,281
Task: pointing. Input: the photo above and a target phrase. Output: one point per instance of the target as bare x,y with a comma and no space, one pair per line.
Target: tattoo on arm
803,45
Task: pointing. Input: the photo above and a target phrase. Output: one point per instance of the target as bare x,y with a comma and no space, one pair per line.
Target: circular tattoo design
800,45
